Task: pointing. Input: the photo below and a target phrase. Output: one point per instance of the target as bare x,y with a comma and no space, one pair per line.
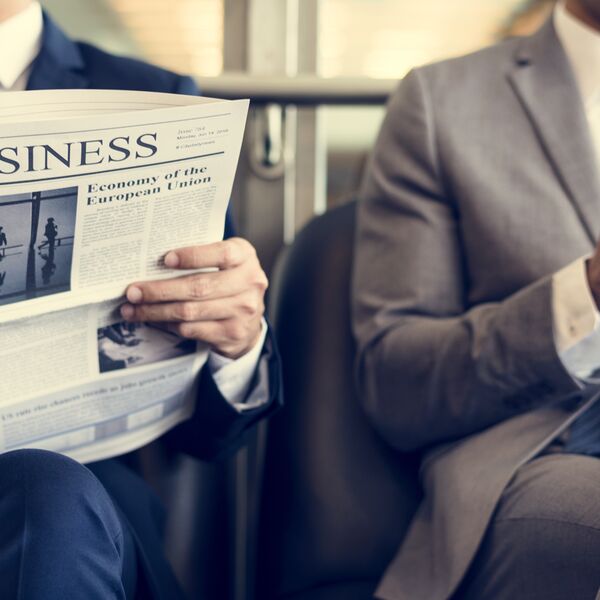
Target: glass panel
181,35
385,38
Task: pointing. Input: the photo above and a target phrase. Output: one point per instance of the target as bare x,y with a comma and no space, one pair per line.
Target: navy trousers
61,535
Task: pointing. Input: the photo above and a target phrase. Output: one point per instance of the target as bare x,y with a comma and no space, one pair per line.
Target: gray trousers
544,540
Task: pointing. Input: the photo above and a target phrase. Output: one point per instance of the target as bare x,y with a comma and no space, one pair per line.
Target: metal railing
302,90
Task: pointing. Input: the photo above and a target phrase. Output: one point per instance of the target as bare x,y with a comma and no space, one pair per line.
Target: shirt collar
582,45
20,41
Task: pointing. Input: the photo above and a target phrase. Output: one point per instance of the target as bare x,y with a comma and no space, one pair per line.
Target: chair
336,501
199,531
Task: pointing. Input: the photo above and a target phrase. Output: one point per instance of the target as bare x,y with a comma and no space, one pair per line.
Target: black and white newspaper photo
123,344
36,243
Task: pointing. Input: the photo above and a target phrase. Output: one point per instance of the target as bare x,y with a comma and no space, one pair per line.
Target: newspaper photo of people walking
36,243
123,345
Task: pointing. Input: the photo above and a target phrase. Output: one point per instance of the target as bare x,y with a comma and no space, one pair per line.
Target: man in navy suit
93,532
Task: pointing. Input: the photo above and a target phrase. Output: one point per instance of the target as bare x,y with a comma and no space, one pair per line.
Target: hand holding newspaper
95,188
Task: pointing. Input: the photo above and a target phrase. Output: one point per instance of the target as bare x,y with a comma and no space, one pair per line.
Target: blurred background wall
372,38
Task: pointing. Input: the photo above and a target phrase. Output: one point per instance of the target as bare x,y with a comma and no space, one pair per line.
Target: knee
533,557
563,544
46,474
555,488
57,492
551,512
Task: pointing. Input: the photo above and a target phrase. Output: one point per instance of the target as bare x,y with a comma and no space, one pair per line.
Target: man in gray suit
476,293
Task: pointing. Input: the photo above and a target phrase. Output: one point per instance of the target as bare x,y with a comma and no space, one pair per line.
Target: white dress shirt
20,42
576,317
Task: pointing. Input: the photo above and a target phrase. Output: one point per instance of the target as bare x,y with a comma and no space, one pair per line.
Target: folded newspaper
95,187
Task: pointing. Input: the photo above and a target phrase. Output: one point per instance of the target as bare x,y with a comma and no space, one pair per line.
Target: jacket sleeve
186,85
430,368
216,429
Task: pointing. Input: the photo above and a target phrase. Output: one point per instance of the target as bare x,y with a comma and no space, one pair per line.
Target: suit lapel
59,64
545,84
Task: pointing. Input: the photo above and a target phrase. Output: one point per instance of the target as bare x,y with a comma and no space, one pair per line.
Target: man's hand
222,308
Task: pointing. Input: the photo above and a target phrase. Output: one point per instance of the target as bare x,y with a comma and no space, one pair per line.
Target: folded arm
431,368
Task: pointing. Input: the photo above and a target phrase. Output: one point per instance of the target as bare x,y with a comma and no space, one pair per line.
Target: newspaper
95,188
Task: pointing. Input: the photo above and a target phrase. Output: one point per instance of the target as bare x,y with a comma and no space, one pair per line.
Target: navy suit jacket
216,428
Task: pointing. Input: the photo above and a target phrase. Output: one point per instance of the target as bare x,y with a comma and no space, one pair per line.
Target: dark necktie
584,433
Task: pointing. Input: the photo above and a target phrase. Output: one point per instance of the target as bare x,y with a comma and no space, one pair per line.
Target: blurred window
374,38
181,35
385,38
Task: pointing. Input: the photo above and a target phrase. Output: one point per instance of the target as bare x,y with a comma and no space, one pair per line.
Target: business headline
143,187
38,158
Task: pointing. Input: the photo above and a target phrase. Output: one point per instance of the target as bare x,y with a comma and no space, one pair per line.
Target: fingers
215,333
223,255
230,337
240,271
201,286
222,308
243,306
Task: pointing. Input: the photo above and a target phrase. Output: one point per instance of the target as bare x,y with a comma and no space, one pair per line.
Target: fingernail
171,260
127,311
134,294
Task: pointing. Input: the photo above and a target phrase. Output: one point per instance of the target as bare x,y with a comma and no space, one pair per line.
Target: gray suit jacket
483,183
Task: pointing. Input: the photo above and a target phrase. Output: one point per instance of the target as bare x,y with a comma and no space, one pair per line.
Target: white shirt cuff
234,376
576,320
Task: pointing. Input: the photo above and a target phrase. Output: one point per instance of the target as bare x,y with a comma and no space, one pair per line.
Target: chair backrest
336,499
198,529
